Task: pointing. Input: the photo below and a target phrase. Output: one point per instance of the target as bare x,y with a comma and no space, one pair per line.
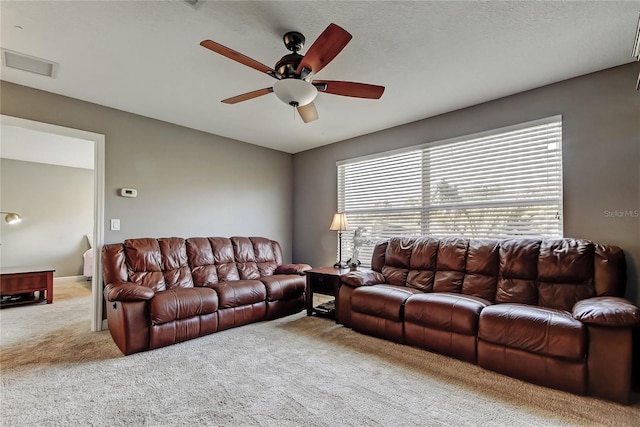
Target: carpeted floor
296,371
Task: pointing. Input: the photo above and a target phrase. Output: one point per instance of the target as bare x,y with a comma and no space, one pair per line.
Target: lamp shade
339,222
295,92
12,217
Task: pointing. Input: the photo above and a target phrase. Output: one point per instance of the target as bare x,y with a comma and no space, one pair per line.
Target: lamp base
340,264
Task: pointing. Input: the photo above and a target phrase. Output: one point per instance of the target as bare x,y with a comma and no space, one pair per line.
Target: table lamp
339,224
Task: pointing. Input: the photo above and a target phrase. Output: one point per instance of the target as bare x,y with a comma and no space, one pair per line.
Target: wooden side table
326,281
26,280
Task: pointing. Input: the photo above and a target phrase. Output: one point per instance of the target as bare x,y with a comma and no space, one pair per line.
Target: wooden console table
15,281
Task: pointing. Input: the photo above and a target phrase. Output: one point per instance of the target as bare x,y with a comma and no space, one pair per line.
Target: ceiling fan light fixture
295,92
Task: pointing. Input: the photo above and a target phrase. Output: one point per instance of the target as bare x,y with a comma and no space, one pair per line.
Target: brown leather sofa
163,291
544,311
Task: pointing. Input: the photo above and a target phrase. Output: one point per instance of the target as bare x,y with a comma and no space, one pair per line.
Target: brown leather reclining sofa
163,291
544,311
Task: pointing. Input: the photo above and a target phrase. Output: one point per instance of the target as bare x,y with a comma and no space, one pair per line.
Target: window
500,184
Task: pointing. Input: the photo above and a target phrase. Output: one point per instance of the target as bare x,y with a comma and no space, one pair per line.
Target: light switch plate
115,225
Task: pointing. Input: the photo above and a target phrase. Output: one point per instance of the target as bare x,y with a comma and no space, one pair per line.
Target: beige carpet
296,371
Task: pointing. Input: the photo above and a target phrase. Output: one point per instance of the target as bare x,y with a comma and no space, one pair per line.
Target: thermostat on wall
128,192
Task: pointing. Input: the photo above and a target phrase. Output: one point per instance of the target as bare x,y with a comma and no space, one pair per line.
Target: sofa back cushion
396,262
553,273
482,269
224,259
113,264
175,267
159,264
379,253
422,266
565,272
268,255
245,258
220,259
450,264
174,262
202,261
212,260
518,271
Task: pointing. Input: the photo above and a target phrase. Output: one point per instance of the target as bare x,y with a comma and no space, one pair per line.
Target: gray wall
189,183
601,156
56,205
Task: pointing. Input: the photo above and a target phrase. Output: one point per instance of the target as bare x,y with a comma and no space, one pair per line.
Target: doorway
98,141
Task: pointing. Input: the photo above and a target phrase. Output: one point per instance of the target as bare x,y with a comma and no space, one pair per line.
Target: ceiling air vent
23,62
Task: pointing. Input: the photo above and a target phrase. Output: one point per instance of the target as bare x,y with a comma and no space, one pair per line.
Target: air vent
23,62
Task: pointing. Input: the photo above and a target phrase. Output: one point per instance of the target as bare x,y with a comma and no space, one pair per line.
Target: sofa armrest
362,278
127,292
292,268
607,311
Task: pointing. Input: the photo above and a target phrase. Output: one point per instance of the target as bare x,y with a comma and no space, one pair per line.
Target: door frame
98,201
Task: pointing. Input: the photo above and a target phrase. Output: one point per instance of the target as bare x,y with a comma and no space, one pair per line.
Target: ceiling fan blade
247,96
356,90
238,57
308,113
329,44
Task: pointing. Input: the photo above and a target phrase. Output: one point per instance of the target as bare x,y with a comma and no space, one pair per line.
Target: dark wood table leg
308,297
49,287
336,292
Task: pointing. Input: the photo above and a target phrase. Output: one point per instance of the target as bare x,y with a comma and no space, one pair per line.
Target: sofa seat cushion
181,303
284,286
385,301
446,311
543,331
236,293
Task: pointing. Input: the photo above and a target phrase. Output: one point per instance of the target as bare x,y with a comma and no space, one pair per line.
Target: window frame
426,206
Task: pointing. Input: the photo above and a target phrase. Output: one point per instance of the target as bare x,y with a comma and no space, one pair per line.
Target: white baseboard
105,325
66,279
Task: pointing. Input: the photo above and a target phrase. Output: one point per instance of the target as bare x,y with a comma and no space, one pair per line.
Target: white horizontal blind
502,184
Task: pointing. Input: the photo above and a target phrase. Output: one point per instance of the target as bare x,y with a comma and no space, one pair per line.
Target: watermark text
622,213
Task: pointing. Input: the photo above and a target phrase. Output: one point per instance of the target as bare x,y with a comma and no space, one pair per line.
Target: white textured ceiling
433,57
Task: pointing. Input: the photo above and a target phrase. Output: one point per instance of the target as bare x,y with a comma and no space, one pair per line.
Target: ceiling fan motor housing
288,64
286,67
294,41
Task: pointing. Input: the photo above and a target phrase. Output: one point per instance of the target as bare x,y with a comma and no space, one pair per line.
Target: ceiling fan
294,71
